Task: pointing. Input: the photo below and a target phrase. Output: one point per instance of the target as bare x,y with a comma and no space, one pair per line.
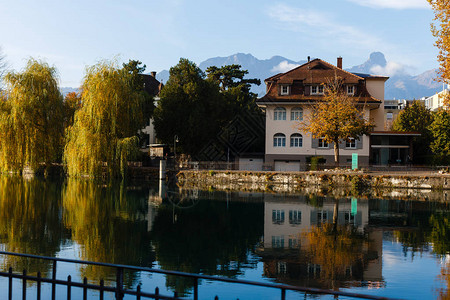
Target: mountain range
400,85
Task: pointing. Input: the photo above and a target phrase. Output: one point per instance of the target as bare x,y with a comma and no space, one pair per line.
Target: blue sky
73,34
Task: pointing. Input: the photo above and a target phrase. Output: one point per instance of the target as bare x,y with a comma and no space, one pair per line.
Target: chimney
339,62
153,74
309,58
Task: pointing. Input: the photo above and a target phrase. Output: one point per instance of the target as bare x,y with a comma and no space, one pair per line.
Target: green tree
105,128
416,117
440,131
31,122
72,102
336,118
189,107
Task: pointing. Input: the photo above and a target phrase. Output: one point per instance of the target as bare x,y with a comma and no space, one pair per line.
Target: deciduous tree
31,122
440,131
441,30
416,117
190,107
105,128
336,117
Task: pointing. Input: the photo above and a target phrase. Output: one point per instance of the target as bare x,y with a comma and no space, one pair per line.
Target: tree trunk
336,153
335,215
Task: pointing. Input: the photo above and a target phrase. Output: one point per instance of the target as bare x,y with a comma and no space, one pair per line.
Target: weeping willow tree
31,122
104,132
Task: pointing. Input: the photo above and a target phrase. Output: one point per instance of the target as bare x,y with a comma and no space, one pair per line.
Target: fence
120,292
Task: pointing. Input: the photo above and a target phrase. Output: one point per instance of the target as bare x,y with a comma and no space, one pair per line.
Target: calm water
374,246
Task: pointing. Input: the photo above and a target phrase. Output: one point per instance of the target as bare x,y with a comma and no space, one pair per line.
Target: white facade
437,100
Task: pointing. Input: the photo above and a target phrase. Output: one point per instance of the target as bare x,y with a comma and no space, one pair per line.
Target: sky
74,34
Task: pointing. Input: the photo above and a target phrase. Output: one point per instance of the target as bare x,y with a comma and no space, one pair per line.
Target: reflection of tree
440,233
30,222
444,293
109,224
336,249
210,238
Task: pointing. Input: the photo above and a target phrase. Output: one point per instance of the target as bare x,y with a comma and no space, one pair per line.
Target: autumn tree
190,107
104,132
441,30
72,102
416,117
31,123
3,66
336,117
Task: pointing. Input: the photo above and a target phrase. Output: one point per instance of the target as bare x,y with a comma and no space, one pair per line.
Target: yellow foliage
104,129
31,124
336,117
442,32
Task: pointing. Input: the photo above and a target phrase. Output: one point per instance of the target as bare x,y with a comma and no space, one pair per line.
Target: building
437,100
287,101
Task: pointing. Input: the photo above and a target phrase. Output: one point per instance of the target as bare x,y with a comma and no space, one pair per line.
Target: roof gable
316,71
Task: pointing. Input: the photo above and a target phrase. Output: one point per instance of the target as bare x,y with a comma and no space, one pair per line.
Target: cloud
391,69
283,67
321,26
394,4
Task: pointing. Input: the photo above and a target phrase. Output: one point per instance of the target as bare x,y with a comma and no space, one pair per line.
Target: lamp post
175,141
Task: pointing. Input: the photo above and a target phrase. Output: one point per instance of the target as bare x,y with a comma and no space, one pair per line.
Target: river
393,248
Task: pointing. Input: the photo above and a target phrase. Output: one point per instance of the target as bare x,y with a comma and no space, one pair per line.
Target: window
279,113
297,114
317,90
322,216
323,143
279,140
277,216
389,116
295,217
350,143
278,241
296,140
350,90
284,90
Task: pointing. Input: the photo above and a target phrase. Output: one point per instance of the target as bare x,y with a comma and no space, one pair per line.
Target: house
436,101
288,100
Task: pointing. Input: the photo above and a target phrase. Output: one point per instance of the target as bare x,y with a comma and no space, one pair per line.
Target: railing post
195,288
283,294
53,280
138,292
102,284
69,294
24,285
84,288
38,286
156,293
119,284
10,284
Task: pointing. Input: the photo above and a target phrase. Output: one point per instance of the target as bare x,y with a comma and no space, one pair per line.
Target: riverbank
343,182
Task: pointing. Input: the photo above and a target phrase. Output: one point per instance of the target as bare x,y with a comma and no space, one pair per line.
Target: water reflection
208,233
30,222
301,239
325,245
110,225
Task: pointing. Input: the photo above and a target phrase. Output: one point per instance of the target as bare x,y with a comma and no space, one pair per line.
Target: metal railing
119,290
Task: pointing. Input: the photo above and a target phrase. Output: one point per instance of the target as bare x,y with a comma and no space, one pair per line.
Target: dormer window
284,90
350,90
317,90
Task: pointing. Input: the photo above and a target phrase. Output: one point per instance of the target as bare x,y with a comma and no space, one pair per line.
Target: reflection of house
287,101
285,252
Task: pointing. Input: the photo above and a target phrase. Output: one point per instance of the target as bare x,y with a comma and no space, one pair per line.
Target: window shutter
342,144
307,90
330,146
359,143
314,143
